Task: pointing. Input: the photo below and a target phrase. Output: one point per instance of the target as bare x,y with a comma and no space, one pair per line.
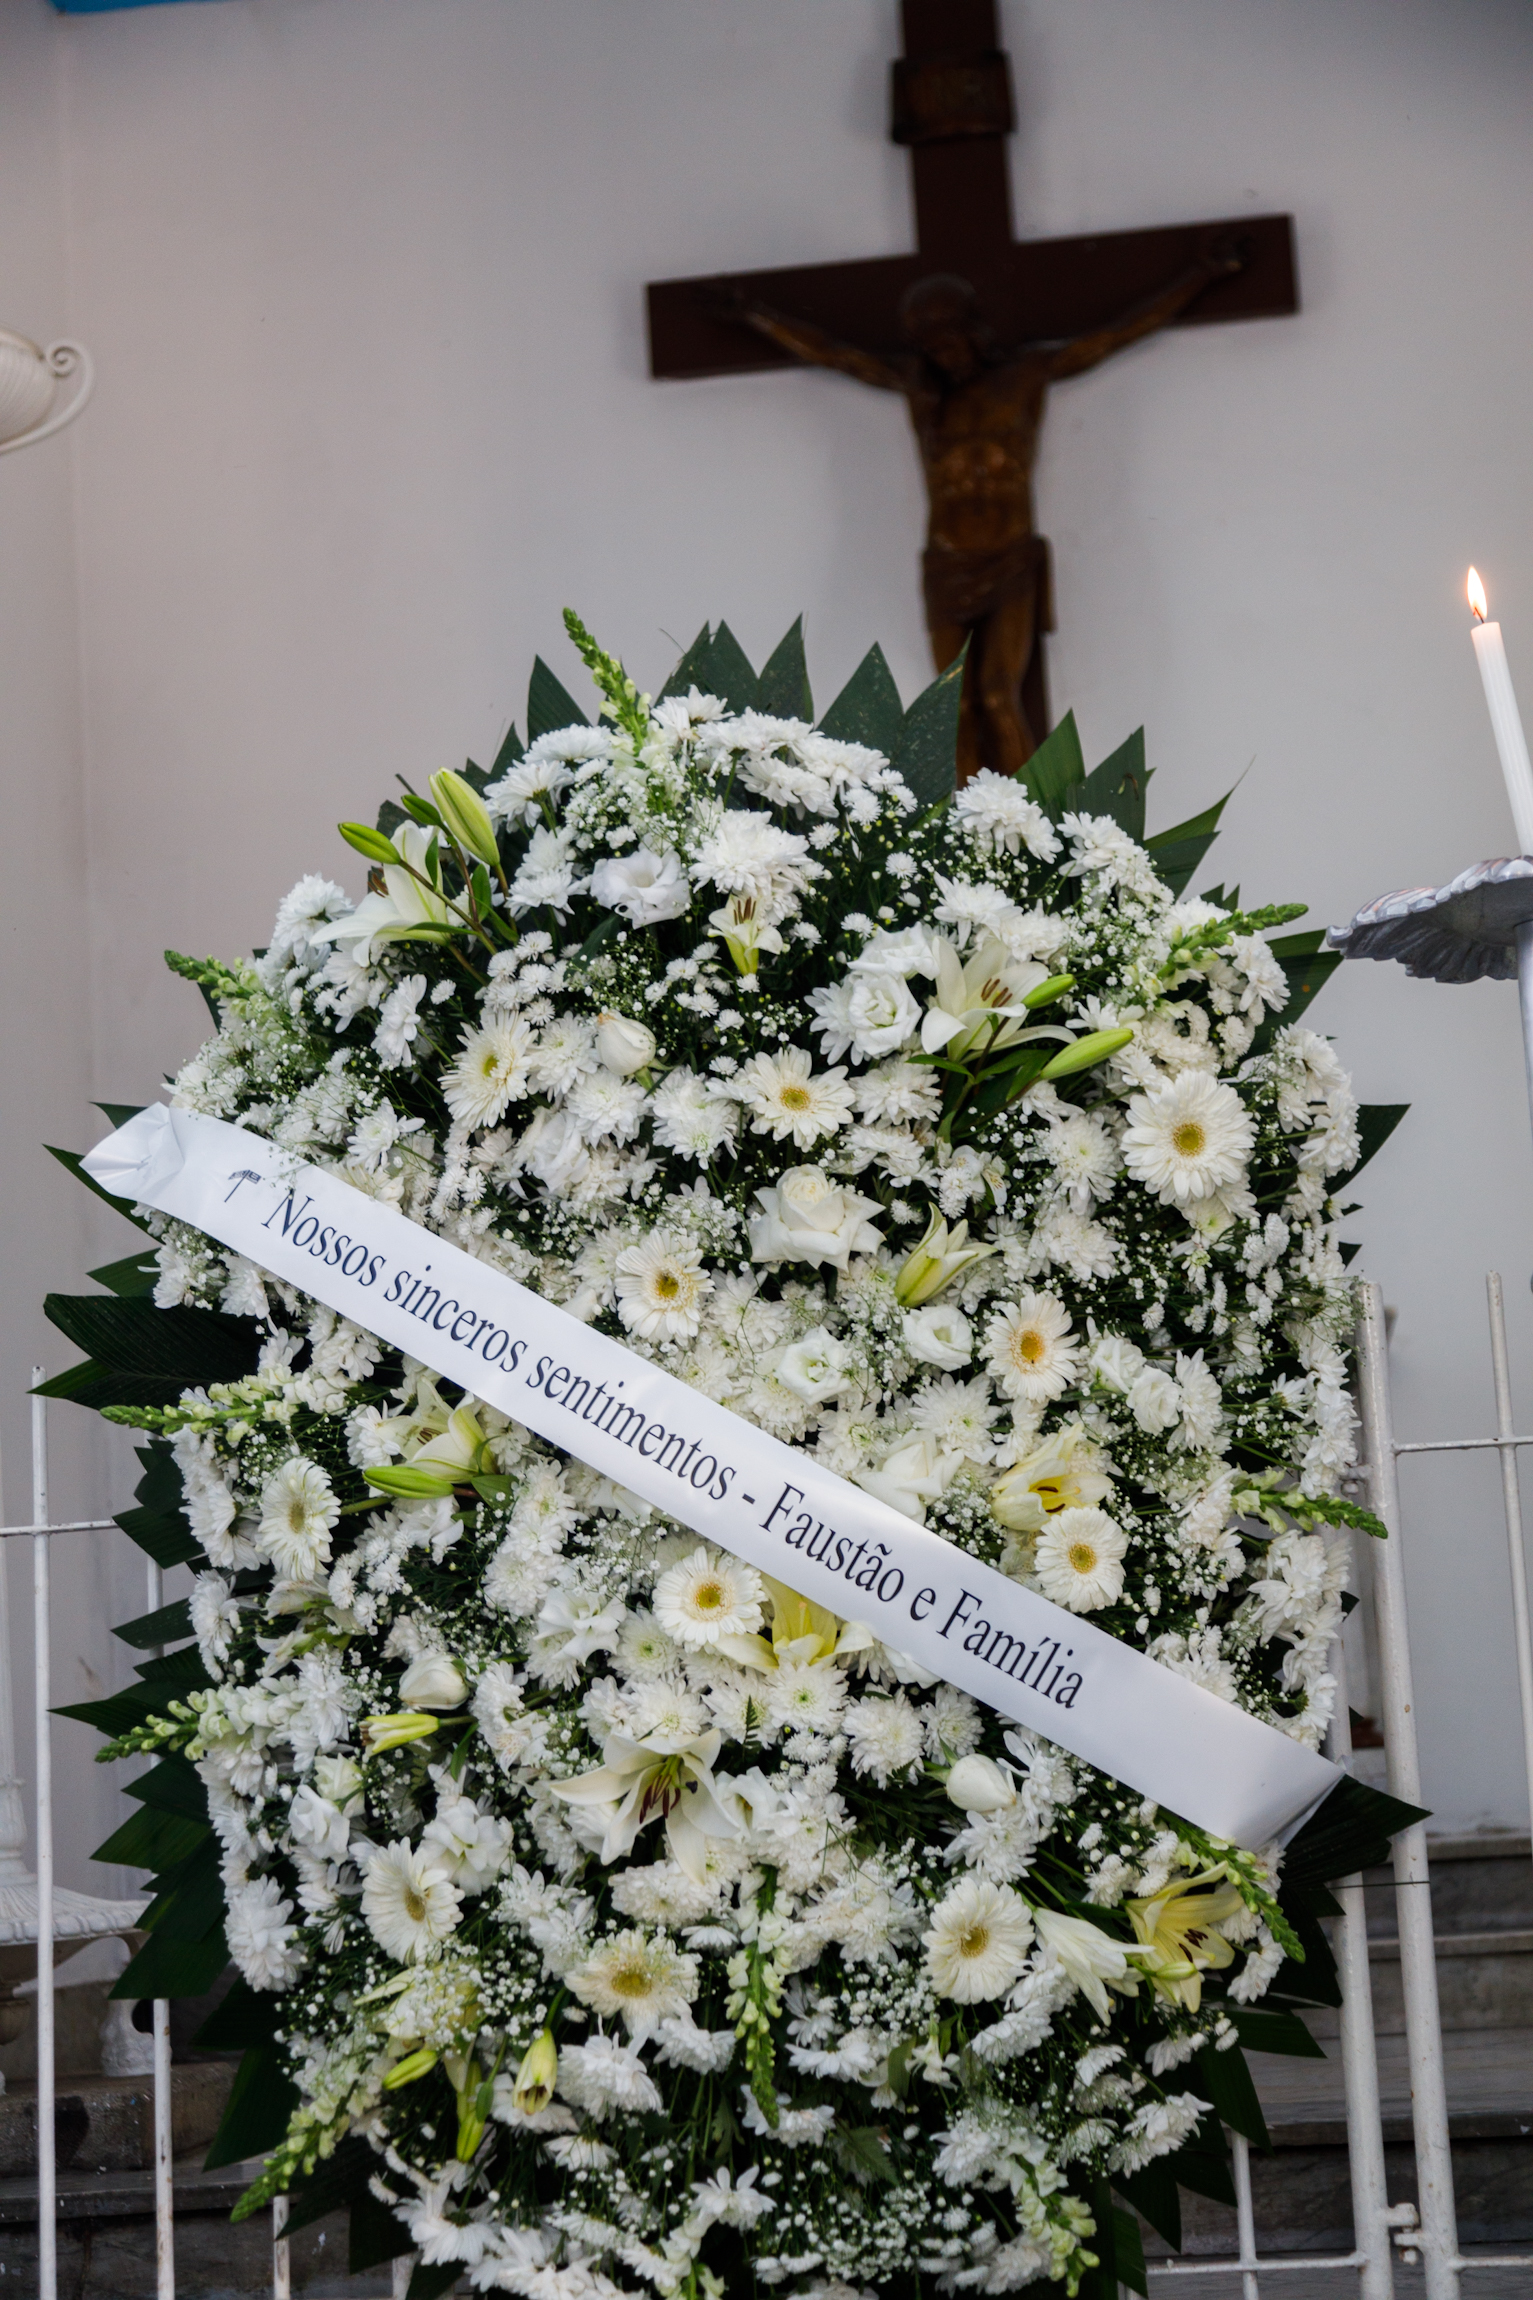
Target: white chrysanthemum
564,1054
805,1697
978,1941
1079,1559
260,1937
215,1617
1031,1353
409,1901
747,853
643,1648
298,1508
996,811
708,1596
661,1288
491,1072
1084,1157
885,1737
899,1093
691,1118
786,1099
638,1977
605,2075
1188,1139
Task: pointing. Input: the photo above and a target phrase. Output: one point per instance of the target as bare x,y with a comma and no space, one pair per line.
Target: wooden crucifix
972,330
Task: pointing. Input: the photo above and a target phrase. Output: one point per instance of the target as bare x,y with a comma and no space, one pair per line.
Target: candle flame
1476,591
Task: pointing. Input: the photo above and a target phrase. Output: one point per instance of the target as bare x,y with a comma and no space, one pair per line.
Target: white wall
363,280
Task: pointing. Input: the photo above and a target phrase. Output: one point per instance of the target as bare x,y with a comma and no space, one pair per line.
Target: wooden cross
1048,308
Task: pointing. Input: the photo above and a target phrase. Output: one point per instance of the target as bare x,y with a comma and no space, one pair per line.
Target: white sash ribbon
696,1461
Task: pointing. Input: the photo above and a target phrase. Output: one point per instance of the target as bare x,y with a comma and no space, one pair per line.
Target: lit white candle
1505,719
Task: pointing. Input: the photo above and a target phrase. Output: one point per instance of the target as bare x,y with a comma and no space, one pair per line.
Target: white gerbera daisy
1079,1559
785,1099
708,1596
978,1942
1031,1353
298,1508
636,1976
1188,1139
490,1072
409,1901
661,1288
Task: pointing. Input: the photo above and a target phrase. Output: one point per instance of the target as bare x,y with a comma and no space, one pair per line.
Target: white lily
941,1255
407,910
800,1631
1093,1960
982,998
669,1777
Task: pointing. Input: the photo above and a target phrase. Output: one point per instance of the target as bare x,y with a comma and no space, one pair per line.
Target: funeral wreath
609,1916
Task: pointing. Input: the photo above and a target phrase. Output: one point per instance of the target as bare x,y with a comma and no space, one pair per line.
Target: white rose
1155,1401
939,1336
320,1827
644,886
881,1014
1118,1362
622,1045
806,1217
910,1475
814,1368
432,1681
979,1785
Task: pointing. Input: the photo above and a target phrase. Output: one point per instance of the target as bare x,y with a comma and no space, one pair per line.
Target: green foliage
1177,853
172,1786
1376,1121
134,1276
164,1626
1308,973
1225,2080
926,747
1118,786
783,690
244,2018
260,2106
1261,2028
549,706
1056,772
868,708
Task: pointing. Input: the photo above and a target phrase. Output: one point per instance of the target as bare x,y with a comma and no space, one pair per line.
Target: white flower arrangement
618,1908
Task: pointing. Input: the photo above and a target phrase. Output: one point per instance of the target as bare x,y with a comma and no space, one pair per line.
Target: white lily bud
433,1681
979,1785
623,1046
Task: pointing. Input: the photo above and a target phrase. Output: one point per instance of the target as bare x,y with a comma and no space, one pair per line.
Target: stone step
1480,1883
105,2124
1301,2189
1484,1981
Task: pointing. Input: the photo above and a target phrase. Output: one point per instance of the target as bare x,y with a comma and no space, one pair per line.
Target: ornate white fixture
29,380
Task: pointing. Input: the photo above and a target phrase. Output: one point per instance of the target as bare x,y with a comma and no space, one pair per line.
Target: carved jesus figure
977,408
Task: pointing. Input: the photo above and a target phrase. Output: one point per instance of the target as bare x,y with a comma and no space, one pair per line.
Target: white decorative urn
29,380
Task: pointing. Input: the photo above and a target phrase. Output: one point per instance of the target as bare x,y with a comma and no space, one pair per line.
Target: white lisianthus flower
806,1217
298,1509
623,1045
913,1472
1079,1559
260,1937
644,887
978,1941
1188,1139
1031,1353
409,1901
1154,1400
433,1681
815,1367
661,1288
491,1072
639,1978
939,1336
881,1015
708,1596
786,1098
979,1785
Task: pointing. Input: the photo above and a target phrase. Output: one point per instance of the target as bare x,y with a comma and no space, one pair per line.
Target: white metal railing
1426,2231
